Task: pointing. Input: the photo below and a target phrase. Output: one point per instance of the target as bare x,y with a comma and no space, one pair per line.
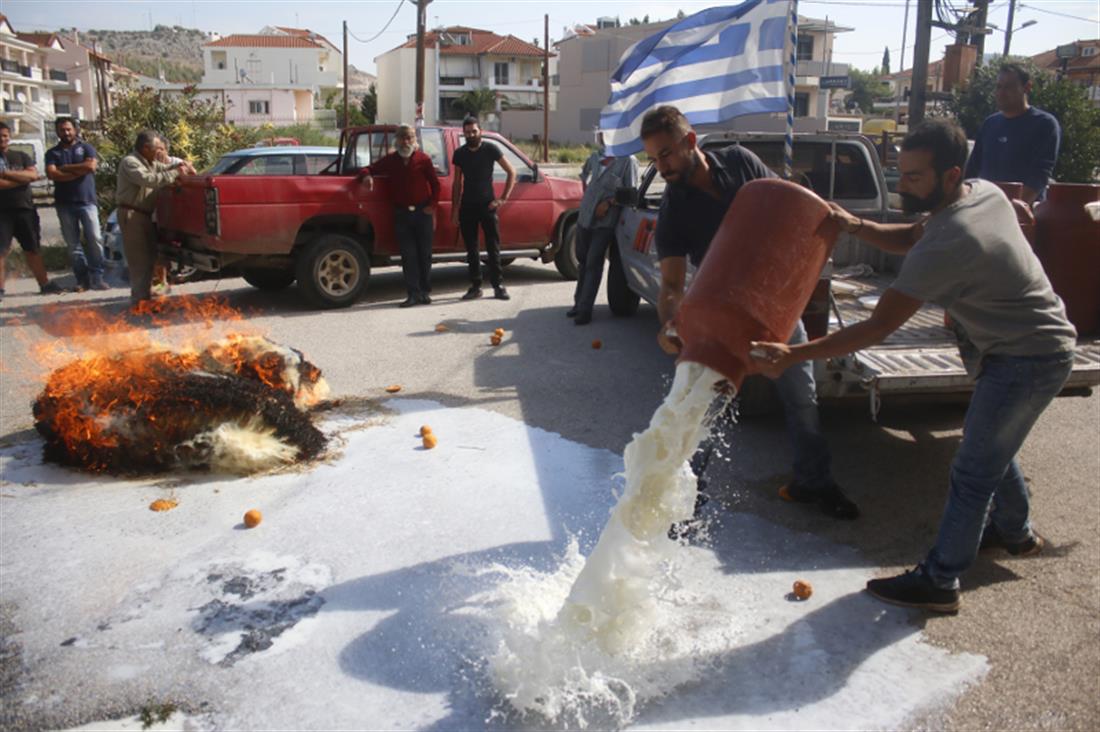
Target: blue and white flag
715,65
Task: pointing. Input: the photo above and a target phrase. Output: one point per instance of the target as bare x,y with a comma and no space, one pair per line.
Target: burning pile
238,404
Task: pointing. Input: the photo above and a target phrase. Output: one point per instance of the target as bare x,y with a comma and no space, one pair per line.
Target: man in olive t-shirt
971,258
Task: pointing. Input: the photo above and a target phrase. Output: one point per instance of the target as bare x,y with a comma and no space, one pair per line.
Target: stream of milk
582,645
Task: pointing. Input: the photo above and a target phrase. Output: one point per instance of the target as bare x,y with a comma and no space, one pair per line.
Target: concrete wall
272,66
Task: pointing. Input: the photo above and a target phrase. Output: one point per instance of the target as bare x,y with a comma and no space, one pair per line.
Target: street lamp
1011,30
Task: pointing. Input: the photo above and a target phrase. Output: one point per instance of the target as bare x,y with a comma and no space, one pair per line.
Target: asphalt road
1036,620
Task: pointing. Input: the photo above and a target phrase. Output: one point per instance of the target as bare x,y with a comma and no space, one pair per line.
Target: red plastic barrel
758,274
1069,248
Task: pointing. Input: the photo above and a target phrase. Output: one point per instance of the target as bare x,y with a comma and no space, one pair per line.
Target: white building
278,60
27,83
457,60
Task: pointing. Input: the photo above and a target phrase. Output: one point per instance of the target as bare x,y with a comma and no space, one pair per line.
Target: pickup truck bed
918,358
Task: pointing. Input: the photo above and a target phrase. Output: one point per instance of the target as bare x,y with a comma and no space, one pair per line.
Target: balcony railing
8,64
26,71
56,75
13,106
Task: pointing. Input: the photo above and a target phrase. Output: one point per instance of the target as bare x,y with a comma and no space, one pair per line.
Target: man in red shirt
414,190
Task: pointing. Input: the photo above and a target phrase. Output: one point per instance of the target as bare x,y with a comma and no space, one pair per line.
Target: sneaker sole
945,608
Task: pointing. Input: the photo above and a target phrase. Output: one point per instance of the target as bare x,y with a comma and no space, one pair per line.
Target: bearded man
414,190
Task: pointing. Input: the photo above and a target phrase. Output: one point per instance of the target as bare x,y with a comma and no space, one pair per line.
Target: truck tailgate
181,207
921,356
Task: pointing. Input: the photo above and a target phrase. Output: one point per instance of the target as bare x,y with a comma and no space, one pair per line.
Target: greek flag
715,65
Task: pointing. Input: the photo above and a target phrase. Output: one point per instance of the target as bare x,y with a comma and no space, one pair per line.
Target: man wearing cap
413,188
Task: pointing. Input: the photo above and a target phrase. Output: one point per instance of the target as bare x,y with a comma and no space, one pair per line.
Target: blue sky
878,23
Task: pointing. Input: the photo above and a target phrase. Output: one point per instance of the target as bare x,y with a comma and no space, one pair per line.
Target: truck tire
332,271
623,301
757,397
270,280
566,258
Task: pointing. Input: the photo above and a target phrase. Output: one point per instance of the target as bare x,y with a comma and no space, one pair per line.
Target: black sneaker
914,589
582,319
409,302
501,294
831,499
473,293
1029,547
50,288
425,300
571,313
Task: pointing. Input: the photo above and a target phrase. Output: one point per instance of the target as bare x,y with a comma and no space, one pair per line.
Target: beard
405,151
916,204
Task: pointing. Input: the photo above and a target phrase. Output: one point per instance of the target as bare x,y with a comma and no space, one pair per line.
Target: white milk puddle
582,646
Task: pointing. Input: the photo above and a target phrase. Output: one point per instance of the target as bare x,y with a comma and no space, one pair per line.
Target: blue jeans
798,393
86,260
1009,395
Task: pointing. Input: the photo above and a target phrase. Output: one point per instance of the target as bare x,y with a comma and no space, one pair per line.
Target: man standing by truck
414,191
474,204
140,178
71,165
971,258
1018,143
701,188
18,217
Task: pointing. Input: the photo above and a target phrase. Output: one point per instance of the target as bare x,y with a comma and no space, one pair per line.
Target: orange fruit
430,441
802,589
499,332
441,328
393,388
495,340
425,430
597,344
253,518
163,504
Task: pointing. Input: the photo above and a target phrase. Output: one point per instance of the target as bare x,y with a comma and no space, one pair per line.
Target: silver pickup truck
920,358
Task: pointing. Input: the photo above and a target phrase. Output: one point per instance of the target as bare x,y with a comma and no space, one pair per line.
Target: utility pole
901,64
345,73
1008,26
421,15
546,88
979,20
921,47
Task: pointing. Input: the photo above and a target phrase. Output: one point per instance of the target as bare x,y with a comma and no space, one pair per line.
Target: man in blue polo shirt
1020,142
701,187
71,165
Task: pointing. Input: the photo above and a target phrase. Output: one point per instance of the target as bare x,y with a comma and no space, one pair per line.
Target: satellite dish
21,97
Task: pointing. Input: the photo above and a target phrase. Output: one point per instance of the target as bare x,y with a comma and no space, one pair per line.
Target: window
523,170
1089,51
596,56
431,143
268,165
358,153
314,164
448,110
500,72
451,81
259,106
813,164
801,104
805,48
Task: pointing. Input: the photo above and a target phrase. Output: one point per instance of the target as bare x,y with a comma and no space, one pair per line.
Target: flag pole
788,140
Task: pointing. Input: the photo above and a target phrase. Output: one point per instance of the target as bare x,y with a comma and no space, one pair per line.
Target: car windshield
226,162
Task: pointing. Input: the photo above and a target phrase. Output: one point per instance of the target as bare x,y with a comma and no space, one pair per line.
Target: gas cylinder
757,276
1069,248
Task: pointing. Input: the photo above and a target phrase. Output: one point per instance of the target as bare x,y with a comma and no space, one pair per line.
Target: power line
1055,12
379,33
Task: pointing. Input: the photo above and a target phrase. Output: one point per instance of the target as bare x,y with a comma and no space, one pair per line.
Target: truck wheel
271,280
623,300
757,397
332,271
566,258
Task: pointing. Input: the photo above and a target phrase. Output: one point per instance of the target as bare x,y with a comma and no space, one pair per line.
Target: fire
128,404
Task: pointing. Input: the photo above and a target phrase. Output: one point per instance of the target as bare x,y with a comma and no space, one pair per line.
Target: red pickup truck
326,231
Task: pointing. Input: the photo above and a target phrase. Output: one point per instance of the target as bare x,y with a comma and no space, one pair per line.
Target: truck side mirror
626,196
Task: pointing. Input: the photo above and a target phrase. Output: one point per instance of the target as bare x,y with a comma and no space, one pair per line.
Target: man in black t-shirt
701,187
18,217
474,204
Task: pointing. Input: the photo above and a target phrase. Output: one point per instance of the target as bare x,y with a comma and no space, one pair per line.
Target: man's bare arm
673,277
892,238
510,181
57,176
79,169
21,177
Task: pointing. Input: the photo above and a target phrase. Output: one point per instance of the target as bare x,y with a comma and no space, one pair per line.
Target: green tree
195,130
369,105
886,61
866,88
478,102
1067,101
